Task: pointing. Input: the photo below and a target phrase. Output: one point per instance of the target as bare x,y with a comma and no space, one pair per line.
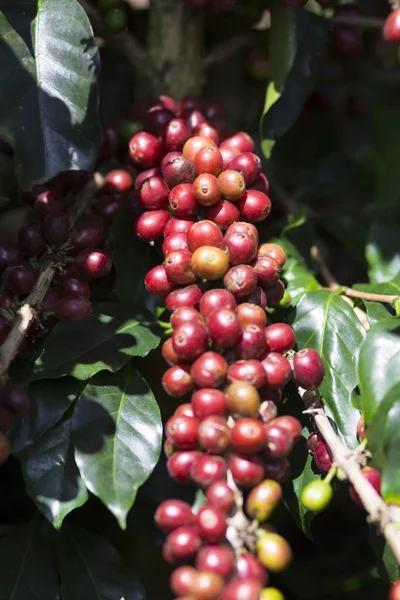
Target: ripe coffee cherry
181,580
14,398
361,428
145,150
73,308
6,300
308,369
274,552
391,28
214,434
273,251
209,402
190,340
180,464
373,477
185,410
280,338
279,441
220,495
109,207
31,239
248,566
144,175
151,225
70,286
216,299
257,297
208,160
157,282
247,471
207,469
316,495
277,370
291,425
153,194
240,141
56,227
223,328
177,169
206,190
183,432
88,233
250,371
243,399
207,586
275,293
277,469
263,499
20,279
209,370
185,314
267,269
251,343
176,134
172,514
323,456
157,119
193,118
242,248
224,213
216,559
195,144
182,544
182,201
232,185
211,524
242,589
49,201
177,381
204,233
10,255
119,180
210,263
394,591
240,280
176,241
93,263
187,296
169,354
251,314
254,206
261,184
247,436
248,164
178,267
178,225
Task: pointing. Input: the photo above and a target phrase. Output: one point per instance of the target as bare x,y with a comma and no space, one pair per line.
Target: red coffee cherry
187,296
248,566
258,297
176,134
323,456
195,144
211,524
178,267
240,280
56,227
209,370
144,175
210,263
291,425
10,255
280,338
209,402
206,190
151,225
182,200
207,130
207,586
261,184
214,434
247,436
227,155
49,201
204,233
185,410
190,340
223,327
207,469
169,354
246,589
391,28
177,169
193,118
373,477
88,233
240,141
263,499
172,514
182,544
268,271
250,371
118,180
109,207
73,308
275,293
277,370
279,441
273,251
208,160
394,591
232,185
154,193
251,343
242,248
157,282
20,279
31,239
254,206
145,150
156,119
93,263
243,399
185,314
177,381
251,314
178,225
247,471
248,164
216,299
220,495
183,432
308,369
175,241
181,580
277,469
180,464
312,439
216,559
224,213
70,286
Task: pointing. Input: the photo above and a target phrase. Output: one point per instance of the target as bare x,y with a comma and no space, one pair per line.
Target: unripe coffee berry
210,263
206,190
263,499
274,552
317,495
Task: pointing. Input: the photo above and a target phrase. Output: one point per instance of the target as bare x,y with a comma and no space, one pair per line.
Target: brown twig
367,295
348,461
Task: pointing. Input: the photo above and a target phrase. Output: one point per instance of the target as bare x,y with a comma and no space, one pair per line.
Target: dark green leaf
325,322
117,436
383,252
48,106
376,312
299,280
105,341
388,568
28,570
91,569
51,476
50,399
389,288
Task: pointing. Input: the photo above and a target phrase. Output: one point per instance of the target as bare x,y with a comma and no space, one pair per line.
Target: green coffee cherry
263,499
274,552
317,495
271,593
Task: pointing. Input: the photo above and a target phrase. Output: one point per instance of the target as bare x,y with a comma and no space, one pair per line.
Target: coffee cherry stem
331,475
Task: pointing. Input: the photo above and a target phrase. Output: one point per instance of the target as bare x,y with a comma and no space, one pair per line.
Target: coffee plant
200,300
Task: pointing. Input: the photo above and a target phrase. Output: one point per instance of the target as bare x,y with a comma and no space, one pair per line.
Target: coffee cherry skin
248,164
373,477
209,160
214,434
178,267
207,469
209,263
157,282
73,308
267,269
216,299
183,544
204,233
56,227
323,456
93,263
31,239
243,399
179,465
248,566
195,144
279,441
275,293
175,241
70,286
206,190
172,514
223,328
240,141
178,225
10,255
181,580
257,297
151,225
273,251
242,248
209,402
145,150
280,338
209,370
185,409
242,589
49,201
169,354
251,343
216,559
250,371
254,206
308,369
391,28
118,180
211,524
241,280
291,425
185,314
312,440
232,185
251,314
177,381
187,296
317,495
263,499
224,213
183,432
274,552
20,279
277,370
182,201
247,436
207,586
177,169
176,133
88,233
247,471
394,591
153,194
220,495
146,174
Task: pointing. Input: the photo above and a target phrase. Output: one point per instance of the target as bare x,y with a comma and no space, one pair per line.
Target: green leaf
105,341
91,569
376,312
119,416
51,476
325,322
28,570
50,399
48,105
389,288
387,565
383,252
299,280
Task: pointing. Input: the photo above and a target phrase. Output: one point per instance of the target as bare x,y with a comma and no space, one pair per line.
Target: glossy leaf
383,253
48,105
387,565
117,432
105,341
376,312
299,280
389,288
91,568
325,322
28,568
50,399
51,476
